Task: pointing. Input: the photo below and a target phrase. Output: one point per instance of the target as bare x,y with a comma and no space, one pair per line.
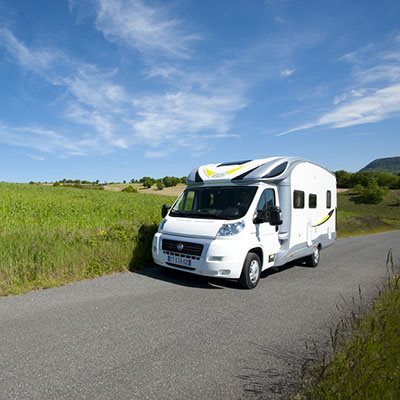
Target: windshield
214,202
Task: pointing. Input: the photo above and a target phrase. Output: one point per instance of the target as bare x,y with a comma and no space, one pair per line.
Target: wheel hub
254,271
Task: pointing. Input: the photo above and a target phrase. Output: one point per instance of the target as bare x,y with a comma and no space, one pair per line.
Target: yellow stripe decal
231,171
323,220
209,172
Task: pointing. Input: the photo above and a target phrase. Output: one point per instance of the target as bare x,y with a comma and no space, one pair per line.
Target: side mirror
274,215
164,210
260,217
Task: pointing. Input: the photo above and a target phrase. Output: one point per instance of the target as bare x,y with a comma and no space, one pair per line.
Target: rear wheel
313,260
251,271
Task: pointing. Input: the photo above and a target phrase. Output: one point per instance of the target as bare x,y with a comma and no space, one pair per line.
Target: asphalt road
173,336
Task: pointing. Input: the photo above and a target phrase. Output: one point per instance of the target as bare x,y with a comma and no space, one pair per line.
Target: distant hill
389,164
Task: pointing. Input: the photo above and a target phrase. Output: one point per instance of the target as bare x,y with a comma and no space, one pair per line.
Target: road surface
173,336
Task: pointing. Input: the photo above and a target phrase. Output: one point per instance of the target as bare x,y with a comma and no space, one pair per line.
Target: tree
342,179
184,179
370,194
170,181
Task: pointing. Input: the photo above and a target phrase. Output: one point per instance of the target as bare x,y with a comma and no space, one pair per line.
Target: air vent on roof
233,163
276,171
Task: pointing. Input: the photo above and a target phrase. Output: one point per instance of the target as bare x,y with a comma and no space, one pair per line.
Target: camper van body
209,232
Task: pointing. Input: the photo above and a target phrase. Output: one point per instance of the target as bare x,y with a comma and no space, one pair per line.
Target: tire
312,261
251,272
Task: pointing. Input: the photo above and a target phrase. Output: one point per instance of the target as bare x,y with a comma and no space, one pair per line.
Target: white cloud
182,116
381,104
149,29
373,94
347,95
195,106
286,72
42,139
37,60
93,87
36,158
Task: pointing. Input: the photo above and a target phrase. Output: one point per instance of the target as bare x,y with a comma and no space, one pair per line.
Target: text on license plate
179,260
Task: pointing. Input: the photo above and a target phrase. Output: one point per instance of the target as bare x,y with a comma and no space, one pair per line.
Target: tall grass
54,235
365,354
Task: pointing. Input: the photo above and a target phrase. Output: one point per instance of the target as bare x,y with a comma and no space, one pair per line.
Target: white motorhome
237,219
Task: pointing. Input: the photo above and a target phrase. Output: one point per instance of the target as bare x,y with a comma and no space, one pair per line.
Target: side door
267,234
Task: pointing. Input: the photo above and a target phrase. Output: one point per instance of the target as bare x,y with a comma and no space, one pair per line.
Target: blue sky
116,89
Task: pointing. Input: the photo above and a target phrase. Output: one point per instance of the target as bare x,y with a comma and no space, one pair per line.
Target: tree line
161,183
368,187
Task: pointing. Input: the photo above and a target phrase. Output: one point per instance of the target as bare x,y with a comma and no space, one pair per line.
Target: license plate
179,260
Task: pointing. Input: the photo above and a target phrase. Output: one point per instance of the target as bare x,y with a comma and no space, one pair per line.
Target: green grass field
53,235
358,219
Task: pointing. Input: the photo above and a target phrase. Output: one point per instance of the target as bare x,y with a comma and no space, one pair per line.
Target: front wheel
251,271
313,260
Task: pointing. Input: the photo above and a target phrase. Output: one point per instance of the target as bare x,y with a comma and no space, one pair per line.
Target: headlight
231,229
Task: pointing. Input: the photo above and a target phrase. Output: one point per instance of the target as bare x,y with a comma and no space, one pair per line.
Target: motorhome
236,219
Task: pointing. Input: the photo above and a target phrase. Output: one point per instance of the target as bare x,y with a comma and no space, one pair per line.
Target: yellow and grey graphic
323,220
219,174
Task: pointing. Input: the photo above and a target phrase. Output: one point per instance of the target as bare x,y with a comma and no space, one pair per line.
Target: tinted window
328,199
214,202
312,201
267,199
298,199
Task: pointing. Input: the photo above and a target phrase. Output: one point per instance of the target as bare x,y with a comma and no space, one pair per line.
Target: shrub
370,194
56,184
129,189
148,183
160,185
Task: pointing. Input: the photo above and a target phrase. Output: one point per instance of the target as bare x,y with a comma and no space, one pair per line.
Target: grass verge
365,361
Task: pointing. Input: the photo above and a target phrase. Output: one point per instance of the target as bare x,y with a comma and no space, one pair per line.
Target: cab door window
267,199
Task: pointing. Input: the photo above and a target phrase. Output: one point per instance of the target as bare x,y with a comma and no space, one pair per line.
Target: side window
312,201
267,199
328,199
187,202
298,199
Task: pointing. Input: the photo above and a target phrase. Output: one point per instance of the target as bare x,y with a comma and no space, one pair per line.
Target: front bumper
221,257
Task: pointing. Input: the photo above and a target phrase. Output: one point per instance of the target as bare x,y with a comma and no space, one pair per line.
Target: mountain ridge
387,164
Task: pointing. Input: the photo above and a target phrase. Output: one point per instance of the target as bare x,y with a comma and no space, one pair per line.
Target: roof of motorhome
265,169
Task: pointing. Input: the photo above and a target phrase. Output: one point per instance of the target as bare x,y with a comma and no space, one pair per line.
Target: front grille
192,249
